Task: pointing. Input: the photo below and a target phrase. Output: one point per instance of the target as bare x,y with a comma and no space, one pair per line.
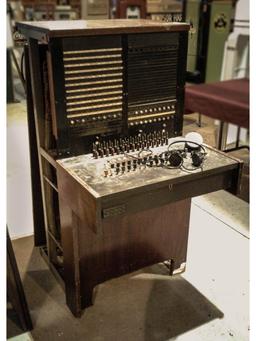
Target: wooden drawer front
171,192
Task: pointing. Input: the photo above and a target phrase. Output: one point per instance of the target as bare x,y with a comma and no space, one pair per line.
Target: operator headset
175,157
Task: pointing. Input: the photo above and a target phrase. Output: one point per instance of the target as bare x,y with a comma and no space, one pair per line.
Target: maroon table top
227,101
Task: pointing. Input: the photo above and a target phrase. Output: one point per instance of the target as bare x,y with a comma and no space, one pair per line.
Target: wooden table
227,101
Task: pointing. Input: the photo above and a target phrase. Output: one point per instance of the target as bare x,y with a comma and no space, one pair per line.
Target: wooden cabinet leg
69,239
172,266
175,267
87,299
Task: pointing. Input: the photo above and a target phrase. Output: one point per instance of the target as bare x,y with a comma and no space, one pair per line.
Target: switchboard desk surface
89,172
43,29
144,187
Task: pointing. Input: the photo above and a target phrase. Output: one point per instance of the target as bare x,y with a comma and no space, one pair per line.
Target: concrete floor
208,302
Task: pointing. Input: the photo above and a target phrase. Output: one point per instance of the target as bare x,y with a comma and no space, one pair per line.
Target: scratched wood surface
89,172
87,27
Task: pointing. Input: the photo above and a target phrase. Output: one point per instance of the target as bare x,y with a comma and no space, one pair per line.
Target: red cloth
227,101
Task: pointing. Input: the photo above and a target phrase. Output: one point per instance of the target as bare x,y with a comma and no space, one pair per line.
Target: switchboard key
101,153
112,151
95,154
144,160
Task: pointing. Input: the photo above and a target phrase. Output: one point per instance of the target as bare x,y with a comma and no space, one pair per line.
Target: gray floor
208,302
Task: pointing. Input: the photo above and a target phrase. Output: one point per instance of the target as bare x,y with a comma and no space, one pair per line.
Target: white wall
242,10
19,197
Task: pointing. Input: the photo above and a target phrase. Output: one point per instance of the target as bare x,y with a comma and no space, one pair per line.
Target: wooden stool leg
199,120
238,137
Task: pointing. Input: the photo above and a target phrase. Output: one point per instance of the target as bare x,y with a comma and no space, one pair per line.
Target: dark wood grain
35,56
80,201
69,234
55,62
38,213
171,193
125,244
134,241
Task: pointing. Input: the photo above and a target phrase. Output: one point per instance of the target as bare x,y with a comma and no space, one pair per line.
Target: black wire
131,156
192,169
169,167
181,165
187,141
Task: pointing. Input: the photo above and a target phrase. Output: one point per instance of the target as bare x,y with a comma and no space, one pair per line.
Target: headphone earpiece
197,158
176,158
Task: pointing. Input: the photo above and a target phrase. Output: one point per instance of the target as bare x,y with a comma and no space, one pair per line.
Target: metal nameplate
113,211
